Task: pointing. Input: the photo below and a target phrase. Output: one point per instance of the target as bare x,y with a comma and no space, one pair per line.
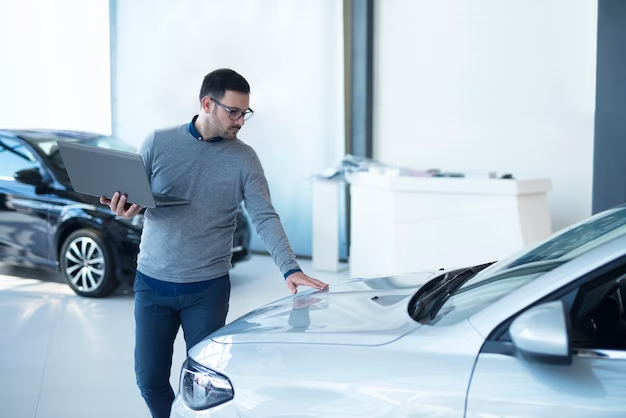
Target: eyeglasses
235,114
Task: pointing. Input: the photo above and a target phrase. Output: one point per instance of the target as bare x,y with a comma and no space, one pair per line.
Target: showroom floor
63,356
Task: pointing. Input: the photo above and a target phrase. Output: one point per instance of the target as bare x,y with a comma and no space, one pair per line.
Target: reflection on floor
63,356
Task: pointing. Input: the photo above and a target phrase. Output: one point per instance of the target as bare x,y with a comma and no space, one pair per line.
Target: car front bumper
225,410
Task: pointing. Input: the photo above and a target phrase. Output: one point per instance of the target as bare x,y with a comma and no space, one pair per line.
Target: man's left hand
300,279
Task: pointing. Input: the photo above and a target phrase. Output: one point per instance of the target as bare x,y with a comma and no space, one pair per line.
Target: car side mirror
542,334
30,176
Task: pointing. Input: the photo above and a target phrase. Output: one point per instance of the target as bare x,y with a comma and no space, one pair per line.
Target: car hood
356,312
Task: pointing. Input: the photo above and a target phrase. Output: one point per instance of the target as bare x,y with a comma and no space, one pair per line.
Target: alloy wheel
85,264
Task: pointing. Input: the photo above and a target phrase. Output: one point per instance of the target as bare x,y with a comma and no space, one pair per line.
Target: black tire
87,264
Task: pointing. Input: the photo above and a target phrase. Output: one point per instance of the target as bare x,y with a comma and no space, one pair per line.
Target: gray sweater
191,243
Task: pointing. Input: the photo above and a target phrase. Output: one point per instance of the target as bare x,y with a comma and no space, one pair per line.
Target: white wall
291,53
487,85
55,68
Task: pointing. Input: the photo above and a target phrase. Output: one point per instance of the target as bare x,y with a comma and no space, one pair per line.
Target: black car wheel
87,264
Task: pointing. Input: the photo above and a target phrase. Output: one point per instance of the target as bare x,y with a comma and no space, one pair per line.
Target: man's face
221,113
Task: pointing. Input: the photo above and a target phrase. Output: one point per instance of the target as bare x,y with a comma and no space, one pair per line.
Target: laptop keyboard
162,198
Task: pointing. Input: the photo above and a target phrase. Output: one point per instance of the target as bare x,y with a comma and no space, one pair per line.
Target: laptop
99,172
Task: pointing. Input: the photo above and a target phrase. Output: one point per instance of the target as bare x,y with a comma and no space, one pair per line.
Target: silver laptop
102,172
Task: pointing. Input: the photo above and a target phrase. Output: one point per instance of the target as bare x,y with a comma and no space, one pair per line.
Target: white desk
402,224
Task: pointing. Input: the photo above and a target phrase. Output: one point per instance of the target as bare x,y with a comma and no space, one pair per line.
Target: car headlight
203,388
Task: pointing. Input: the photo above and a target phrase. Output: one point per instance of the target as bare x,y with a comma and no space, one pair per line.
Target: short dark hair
217,82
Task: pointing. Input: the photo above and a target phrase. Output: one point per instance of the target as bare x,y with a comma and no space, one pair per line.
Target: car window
51,150
110,142
550,253
14,156
504,277
598,314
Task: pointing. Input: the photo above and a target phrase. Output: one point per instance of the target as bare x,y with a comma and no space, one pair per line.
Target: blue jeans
157,318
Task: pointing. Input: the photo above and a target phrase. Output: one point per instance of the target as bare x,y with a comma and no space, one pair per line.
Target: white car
540,334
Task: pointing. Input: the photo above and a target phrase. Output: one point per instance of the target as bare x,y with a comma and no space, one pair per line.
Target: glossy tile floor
63,356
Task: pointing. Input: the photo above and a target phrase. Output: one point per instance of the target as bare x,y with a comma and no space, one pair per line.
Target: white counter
402,224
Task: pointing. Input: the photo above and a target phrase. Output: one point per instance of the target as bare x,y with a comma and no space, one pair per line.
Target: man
185,251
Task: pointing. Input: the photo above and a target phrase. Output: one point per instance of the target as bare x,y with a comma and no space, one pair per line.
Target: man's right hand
120,207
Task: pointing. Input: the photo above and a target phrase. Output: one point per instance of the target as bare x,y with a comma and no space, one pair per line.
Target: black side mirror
30,176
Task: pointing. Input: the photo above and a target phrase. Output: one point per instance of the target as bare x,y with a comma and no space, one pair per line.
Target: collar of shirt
193,132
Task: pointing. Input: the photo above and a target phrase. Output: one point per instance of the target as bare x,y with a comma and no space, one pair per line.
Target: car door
505,384
24,227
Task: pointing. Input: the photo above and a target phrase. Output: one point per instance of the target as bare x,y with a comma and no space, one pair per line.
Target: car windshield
503,277
51,149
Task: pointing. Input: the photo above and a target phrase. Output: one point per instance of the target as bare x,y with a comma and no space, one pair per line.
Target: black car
44,223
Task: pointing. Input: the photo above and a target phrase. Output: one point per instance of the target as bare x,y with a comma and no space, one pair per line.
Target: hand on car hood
357,312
